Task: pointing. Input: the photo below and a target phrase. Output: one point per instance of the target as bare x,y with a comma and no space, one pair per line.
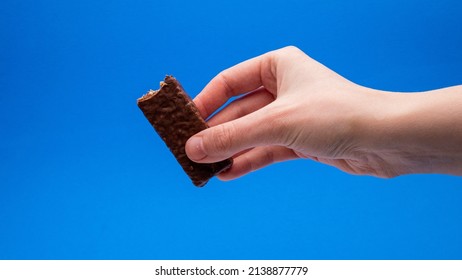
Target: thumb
225,140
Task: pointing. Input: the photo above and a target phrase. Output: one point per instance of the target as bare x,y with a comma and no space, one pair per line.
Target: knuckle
283,52
220,139
291,48
290,51
225,82
268,156
280,124
386,174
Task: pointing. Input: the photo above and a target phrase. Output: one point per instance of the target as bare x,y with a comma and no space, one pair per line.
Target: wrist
415,132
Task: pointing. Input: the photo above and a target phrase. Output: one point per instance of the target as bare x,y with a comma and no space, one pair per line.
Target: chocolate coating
175,117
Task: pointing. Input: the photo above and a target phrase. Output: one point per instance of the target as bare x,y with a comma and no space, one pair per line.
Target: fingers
255,159
243,106
241,78
225,140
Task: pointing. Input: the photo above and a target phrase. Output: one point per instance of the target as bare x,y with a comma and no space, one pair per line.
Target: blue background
84,176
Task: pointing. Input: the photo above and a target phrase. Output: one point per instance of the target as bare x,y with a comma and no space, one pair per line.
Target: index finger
239,79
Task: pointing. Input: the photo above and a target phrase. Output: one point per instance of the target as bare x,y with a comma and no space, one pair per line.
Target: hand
291,106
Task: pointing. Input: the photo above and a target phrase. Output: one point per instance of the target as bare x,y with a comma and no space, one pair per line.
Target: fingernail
196,150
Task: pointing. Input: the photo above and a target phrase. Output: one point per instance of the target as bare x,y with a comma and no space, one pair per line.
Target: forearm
420,132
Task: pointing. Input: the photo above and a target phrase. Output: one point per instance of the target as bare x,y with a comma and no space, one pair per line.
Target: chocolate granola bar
174,116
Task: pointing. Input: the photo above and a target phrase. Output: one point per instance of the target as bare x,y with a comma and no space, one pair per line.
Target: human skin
291,106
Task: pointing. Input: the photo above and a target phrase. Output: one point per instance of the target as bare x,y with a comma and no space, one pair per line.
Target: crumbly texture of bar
175,117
